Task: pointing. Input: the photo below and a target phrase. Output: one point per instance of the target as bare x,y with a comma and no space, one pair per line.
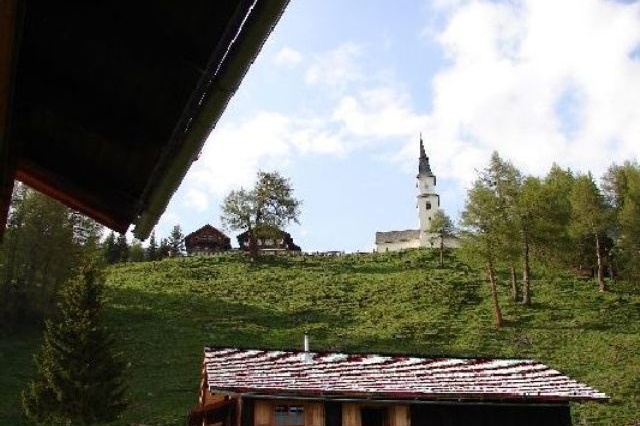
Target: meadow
163,313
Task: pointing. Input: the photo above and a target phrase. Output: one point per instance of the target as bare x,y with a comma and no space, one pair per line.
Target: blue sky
338,96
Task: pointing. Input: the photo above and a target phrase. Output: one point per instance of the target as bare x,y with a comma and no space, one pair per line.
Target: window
428,205
289,415
374,416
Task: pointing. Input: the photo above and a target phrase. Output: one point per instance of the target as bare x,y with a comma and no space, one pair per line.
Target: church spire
424,169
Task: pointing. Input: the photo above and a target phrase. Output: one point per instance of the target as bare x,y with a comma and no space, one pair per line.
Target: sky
341,91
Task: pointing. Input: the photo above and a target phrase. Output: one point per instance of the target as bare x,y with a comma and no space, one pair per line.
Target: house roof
206,229
105,105
265,230
341,375
397,236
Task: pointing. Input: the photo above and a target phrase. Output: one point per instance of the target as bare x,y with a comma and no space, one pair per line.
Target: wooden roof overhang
105,105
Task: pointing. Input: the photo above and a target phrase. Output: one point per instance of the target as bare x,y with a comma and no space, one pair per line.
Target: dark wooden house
269,238
297,388
207,240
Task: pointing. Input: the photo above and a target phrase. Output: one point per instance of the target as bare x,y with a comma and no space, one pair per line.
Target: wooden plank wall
399,415
314,414
262,413
351,414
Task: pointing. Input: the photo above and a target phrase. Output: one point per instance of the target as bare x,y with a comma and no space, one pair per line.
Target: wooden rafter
8,150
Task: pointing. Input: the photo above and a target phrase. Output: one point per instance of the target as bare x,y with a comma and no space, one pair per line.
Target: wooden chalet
206,240
269,239
243,387
104,105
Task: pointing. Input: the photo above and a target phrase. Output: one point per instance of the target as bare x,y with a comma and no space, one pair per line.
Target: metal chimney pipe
306,356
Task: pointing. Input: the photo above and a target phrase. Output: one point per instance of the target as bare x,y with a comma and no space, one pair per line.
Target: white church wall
397,245
428,202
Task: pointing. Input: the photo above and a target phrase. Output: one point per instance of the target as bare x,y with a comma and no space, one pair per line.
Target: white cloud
381,112
167,221
539,81
336,69
288,57
234,152
268,140
197,200
371,111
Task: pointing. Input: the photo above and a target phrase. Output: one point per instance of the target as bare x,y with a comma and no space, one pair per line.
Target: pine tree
136,251
152,248
176,241
79,379
110,251
164,249
122,248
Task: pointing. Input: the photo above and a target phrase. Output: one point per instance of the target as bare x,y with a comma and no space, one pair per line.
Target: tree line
117,249
513,221
45,243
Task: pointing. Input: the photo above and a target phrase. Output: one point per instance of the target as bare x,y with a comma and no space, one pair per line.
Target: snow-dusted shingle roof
382,376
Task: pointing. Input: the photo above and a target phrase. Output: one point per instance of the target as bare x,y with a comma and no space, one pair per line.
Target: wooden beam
8,150
115,212
206,106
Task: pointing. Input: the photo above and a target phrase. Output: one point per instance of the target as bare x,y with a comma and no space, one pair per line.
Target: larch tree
504,180
535,207
557,187
442,227
591,218
44,241
269,204
481,240
621,188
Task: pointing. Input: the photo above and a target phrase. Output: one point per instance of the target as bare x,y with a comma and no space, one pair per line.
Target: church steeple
428,200
424,169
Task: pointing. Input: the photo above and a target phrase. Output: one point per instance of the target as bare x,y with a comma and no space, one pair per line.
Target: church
428,202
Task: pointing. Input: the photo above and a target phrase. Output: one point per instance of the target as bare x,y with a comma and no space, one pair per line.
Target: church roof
397,236
424,169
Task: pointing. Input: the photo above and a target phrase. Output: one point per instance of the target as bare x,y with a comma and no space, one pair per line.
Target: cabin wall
351,414
490,415
399,415
264,412
261,412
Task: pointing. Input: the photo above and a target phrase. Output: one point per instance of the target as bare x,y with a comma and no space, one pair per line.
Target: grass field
163,313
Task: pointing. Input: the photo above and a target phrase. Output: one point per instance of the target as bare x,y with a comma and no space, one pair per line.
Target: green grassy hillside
163,313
